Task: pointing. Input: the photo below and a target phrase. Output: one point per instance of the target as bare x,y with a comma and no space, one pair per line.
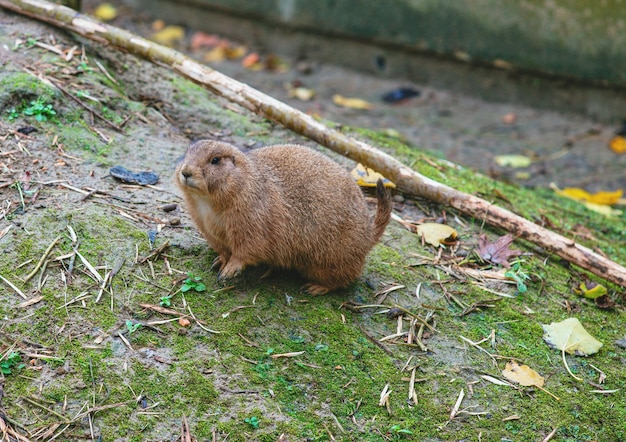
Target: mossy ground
311,368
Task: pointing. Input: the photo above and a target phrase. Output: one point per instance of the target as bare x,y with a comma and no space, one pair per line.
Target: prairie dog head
212,169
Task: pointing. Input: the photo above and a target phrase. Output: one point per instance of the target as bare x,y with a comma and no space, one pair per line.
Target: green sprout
11,361
193,282
518,274
40,109
132,327
83,66
252,421
166,301
397,431
13,114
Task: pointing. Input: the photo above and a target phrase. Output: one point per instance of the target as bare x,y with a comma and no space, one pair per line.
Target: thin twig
10,284
91,268
43,258
475,345
200,322
154,252
550,435
43,407
86,106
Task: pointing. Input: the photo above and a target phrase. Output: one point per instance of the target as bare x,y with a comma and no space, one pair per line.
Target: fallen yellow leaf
598,202
592,290
522,374
570,336
602,197
514,161
366,177
436,234
105,12
223,51
618,144
234,52
573,193
301,93
215,55
352,103
606,198
169,35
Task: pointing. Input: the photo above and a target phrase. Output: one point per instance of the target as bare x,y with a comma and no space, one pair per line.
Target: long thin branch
406,179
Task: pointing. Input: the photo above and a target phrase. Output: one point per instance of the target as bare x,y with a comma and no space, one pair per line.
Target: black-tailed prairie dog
286,206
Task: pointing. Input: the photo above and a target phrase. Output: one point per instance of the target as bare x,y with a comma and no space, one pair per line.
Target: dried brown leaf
497,252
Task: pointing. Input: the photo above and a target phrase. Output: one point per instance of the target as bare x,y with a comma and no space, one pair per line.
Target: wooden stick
407,180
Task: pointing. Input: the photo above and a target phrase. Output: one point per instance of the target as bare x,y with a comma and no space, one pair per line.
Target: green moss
17,89
384,260
77,137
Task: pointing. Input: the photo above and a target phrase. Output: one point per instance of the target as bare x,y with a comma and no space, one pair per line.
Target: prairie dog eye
215,160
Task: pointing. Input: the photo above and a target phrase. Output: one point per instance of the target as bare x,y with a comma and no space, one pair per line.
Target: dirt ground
261,361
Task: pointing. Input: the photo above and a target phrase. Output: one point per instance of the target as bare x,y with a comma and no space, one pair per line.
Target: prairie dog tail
383,211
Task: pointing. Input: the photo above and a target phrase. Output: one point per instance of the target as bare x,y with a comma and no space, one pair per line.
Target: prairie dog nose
186,173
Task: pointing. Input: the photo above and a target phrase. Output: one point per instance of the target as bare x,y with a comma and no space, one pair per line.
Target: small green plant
193,282
321,347
519,275
166,301
264,365
397,432
13,114
11,361
40,110
297,339
252,421
84,67
132,326
263,369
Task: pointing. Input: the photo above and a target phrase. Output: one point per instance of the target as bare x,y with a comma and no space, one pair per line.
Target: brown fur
286,206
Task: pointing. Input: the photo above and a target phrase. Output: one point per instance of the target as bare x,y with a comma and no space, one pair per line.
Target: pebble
169,207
